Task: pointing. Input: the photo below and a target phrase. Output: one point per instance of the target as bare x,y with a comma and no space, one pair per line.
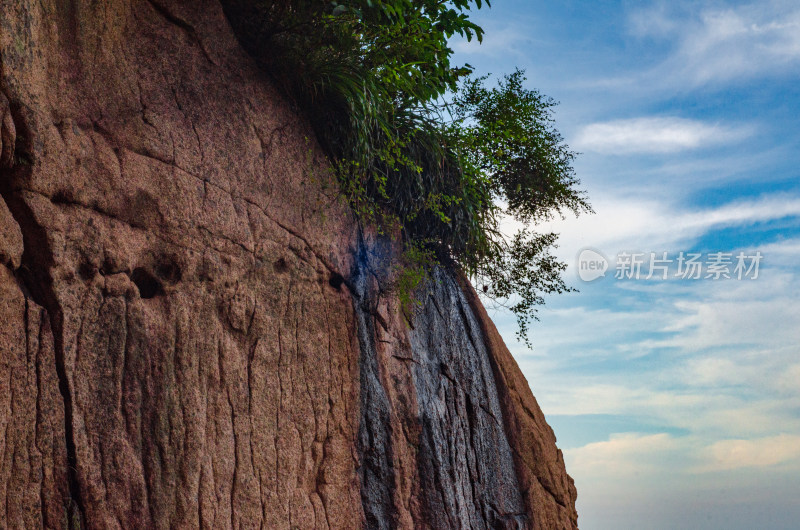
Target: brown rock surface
188,335
33,463
549,493
10,238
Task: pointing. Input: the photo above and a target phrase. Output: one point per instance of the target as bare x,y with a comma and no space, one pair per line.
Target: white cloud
760,452
663,482
631,397
719,45
622,454
782,253
653,21
499,40
655,135
758,320
741,212
598,335
716,323
717,359
653,225
709,412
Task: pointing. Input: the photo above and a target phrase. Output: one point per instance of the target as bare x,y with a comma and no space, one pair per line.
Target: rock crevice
33,272
192,327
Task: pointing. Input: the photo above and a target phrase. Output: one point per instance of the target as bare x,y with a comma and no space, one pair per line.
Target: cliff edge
192,329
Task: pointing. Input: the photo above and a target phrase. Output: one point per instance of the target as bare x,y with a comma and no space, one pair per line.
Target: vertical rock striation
192,330
437,433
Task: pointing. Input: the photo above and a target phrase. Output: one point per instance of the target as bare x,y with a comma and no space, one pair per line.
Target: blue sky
676,402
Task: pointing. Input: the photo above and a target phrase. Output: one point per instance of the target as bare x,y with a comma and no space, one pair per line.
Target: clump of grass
420,147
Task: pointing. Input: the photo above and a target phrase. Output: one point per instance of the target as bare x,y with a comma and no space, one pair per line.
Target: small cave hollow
149,286
336,280
280,266
87,271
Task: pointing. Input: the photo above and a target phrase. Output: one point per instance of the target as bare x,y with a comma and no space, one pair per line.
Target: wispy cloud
769,321
649,224
720,45
689,142
500,40
655,135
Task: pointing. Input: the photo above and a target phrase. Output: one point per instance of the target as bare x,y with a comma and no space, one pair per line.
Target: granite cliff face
193,331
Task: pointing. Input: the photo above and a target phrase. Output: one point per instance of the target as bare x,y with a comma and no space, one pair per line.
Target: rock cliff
192,326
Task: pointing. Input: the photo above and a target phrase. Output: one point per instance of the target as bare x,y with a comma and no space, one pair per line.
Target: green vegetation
420,147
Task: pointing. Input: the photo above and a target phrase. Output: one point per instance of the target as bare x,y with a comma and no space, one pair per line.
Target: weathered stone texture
33,460
183,338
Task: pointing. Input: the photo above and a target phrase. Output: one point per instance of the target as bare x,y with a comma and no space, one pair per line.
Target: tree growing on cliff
421,147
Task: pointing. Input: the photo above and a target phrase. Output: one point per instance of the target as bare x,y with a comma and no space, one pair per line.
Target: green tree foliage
508,144
419,145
